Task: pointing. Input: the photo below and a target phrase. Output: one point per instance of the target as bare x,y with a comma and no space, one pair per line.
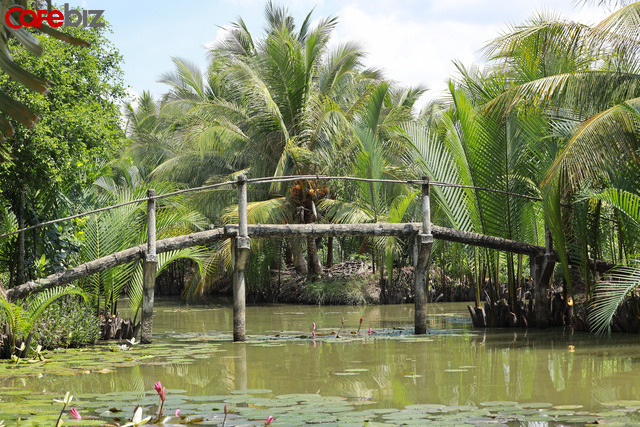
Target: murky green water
453,365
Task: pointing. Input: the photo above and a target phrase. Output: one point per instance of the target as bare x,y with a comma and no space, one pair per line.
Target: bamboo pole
149,270
421,273
241,245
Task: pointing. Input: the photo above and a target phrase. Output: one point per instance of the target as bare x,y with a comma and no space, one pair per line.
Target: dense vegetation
554,115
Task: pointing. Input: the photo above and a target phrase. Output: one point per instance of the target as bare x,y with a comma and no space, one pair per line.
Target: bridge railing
263,181
241,242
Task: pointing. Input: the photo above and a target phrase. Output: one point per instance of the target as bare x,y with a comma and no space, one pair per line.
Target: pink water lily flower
75,414
269,420
162,391
178,412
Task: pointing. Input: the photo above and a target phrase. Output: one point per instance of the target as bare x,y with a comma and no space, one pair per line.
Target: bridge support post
240,247
423,243
149,270
542,273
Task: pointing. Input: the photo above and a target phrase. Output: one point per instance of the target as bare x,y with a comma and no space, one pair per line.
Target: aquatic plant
137,419
226,412
269,420
359,326
66,401
341,326
162,394
67,322
75,414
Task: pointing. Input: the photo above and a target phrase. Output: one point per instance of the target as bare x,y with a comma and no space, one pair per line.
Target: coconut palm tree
585,80
271,106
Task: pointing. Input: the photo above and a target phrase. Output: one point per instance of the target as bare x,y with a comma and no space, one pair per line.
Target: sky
413,41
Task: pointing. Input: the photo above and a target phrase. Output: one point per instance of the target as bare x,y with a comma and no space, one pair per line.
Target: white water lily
137,419
67,399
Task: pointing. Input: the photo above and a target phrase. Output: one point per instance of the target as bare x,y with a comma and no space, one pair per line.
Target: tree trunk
299,262
20,260
384,297
314,264
329,262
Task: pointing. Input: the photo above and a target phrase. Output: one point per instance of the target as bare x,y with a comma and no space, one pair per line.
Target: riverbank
354,283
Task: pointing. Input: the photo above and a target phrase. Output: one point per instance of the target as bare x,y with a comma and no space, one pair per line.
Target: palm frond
610,293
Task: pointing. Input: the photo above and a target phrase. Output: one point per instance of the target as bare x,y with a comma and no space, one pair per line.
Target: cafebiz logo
18,17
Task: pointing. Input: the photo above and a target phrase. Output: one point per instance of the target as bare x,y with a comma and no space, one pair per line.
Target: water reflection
458,368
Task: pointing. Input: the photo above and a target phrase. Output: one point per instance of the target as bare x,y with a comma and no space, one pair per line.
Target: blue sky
413,41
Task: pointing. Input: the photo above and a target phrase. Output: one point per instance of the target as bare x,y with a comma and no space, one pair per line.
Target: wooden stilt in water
542,273
149,269
240,247
424,243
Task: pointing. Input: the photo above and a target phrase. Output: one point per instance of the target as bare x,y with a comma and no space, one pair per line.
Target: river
554,373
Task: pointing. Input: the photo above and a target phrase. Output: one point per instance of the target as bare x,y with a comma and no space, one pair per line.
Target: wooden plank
282,230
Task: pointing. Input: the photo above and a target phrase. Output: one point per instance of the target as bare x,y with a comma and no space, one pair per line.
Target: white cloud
413,53
417,42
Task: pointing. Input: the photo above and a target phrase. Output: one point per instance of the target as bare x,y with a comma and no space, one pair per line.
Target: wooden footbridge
542,259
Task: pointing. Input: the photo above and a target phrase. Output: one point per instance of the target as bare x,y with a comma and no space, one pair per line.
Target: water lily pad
426,407
535,405
568,407
622,403
300,397
578,419
559,412
382,411
611,414
503,403
252,391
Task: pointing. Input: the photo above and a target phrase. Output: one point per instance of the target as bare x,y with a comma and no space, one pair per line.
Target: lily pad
568,407
253,391
535,405
503,403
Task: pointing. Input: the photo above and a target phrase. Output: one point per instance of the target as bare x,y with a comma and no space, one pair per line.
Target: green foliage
54,160
21,320
68,322
11,105
609,294
124,227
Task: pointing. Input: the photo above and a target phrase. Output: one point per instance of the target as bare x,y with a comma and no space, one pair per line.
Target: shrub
67,322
